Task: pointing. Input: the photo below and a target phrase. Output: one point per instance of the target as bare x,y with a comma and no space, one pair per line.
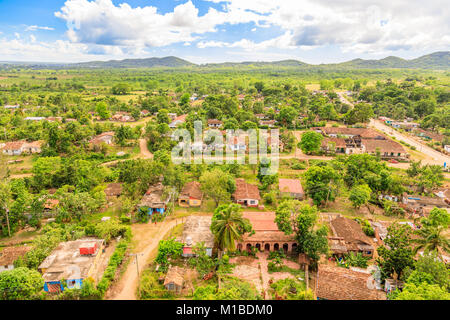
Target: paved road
433,156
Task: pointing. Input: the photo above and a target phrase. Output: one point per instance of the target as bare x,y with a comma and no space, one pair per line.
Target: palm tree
432,238
228,226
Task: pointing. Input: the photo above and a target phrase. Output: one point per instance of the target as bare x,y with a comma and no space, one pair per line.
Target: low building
421,205
34,118
174,280
191,195
246,194
17,148
267,236
388,149
145,113
9,255
177,121
344,132
348,237
214,123
447,148
291,188
71,262
337,283
405,125
268,123
105,137
154,200
123,117
197,229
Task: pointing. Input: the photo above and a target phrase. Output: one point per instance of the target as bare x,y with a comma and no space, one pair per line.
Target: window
252,201
399,154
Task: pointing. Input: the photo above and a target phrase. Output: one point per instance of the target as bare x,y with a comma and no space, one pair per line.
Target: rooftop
265,228
336,283
290,185
10,254
198,229
66,262
246,190
192,190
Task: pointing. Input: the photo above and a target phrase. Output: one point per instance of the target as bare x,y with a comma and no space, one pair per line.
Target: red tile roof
290,185
336,283
245,190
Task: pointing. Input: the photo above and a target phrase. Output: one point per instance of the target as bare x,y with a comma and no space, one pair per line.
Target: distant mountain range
437,60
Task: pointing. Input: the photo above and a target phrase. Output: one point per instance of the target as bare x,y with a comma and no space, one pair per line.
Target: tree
400,255
432,235
218,185
163,116
102,110
121,89
362,112
360,195
423,291
321,184
310,142
20,284
429,268
287,115
5,204
295,217
228,226
259,86
168,248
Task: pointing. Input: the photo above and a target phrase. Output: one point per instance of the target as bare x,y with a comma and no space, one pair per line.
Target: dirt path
145,153
147,237
432,156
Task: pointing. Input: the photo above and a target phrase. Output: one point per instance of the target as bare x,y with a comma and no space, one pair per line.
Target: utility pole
7,221
137,266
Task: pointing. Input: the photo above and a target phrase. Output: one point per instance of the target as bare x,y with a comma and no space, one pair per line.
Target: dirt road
432,156
147,240
145,153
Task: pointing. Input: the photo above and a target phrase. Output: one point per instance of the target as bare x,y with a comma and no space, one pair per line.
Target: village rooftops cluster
16,148
360,140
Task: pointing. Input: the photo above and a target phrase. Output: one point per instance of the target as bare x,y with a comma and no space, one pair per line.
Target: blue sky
202,31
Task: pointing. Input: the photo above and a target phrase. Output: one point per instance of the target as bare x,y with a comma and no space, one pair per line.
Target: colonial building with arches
267,236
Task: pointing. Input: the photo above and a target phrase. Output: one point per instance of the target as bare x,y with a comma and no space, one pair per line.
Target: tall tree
300,219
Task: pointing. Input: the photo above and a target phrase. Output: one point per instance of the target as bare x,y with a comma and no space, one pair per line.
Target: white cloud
102,22
62,51
354,26
34,28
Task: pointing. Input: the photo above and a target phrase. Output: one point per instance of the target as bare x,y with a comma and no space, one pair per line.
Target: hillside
171,62
437,61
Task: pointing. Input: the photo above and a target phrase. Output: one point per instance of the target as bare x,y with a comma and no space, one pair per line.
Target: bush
290,289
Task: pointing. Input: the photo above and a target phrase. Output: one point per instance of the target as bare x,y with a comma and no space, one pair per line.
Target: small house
153,200
145,113
70,263
337,283
291,188
174,280
191,195
197,229
214,123
348,237
9,255
177,121
105,137
246,194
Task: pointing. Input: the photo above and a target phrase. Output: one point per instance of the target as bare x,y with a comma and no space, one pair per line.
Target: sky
209,31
